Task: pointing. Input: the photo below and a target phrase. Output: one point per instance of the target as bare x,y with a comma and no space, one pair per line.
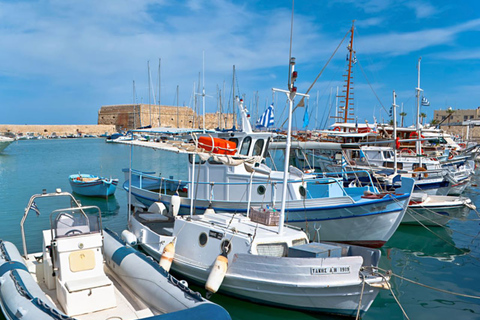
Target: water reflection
422,242
108,206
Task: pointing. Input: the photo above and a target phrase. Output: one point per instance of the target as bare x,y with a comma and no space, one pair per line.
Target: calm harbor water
448,259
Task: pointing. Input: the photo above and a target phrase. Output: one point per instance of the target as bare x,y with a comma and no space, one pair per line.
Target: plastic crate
266,216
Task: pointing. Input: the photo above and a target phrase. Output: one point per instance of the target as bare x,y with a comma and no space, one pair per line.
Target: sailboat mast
233,99
418,145
349,76
203,92
149,104
159,88
394,109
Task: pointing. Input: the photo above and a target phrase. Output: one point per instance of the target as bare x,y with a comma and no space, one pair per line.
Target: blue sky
60,61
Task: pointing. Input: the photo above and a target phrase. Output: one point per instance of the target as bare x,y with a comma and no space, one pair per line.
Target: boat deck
128,306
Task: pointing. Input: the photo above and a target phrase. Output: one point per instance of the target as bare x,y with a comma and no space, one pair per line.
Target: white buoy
129,237
167,256
175,205
158,207
215,278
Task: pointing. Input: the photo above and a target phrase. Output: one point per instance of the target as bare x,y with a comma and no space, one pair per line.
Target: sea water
442,258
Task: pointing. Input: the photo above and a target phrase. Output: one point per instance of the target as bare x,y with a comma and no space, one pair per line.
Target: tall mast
418,145
134,106
159,88
234,99
178,125
149,105
394,109
349,77
347,109
203,92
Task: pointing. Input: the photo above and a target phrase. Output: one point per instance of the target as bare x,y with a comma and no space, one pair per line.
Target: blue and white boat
85,272
91,185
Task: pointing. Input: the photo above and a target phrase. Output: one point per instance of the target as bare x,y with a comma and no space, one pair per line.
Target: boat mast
347,109
349,77
159,88
394,109
418,144
233,99
203,92
149,105
291,93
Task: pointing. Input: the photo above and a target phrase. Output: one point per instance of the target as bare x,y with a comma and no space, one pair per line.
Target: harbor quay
59,130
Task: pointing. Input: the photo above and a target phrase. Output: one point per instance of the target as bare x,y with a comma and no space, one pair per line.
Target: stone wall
126,117
46,130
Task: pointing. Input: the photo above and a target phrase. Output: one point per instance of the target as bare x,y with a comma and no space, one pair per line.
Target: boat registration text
330,270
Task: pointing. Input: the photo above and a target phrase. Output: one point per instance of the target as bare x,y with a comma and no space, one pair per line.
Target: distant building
130,116
458,117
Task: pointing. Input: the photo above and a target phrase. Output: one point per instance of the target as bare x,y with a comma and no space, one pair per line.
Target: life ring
450,157
406,150
414,135
337,129
462,145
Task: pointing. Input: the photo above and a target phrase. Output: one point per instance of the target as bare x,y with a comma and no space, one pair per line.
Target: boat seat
158,217
88,283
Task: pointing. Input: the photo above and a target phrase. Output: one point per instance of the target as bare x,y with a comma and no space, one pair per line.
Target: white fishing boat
89,273
257,257
231,176
5,142
434,210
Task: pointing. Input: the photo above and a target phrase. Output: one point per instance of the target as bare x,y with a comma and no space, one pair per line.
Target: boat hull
336,219
92,186
277,281
433,215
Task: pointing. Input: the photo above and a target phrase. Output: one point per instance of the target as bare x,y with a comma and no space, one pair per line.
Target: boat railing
32,206
164,184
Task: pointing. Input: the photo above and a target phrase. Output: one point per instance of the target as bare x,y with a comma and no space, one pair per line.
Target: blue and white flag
306,118
425,102
267,118
34,207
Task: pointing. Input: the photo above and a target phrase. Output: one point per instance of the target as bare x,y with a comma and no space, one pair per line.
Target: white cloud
422,9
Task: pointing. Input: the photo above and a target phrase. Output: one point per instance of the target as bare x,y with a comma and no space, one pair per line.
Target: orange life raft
217,145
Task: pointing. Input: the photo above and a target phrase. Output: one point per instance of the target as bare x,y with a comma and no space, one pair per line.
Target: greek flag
34,207
267,118
425,102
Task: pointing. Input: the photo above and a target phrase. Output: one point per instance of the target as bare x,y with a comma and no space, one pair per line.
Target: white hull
278,281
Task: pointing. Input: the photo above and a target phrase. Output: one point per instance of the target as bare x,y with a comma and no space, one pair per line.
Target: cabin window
272,249
197,159
226,246
261,190
298,242
202,239
265,153
245,146
258,147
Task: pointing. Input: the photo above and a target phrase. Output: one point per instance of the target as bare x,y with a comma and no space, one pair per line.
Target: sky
61,60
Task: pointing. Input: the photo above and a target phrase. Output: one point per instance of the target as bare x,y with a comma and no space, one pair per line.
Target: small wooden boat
91,185
434,210
89,273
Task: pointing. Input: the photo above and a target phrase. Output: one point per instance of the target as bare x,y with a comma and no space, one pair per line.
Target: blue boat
91,185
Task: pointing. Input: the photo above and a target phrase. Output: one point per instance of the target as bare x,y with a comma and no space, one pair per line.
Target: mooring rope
426,286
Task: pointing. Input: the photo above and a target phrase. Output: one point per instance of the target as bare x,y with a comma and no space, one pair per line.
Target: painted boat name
330,270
